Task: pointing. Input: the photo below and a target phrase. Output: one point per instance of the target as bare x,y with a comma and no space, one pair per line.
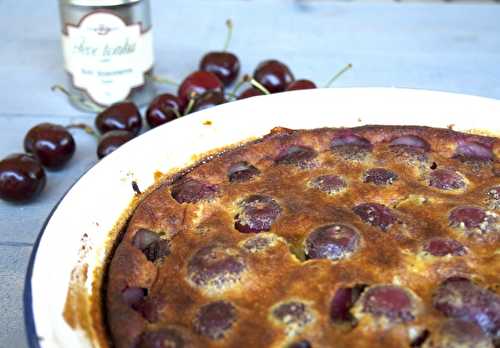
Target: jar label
106,57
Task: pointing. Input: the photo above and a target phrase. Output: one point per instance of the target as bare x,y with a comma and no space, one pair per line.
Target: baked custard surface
376,236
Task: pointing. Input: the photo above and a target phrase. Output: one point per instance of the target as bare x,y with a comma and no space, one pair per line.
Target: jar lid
99,2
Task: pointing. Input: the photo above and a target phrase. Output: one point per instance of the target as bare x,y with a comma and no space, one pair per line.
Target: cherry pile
22,175
218,70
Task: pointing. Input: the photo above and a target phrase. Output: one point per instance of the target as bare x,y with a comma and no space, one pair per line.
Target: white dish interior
93,206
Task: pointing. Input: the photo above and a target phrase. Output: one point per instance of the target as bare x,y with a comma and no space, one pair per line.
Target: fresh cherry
198,83
51,144
250,92
208,100
273,75
21,178
164,108
120,116
301,84
111,141
225,65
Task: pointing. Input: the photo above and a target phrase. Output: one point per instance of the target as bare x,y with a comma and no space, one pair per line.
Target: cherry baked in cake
376,236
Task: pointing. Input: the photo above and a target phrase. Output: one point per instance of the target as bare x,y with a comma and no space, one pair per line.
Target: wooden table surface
432,45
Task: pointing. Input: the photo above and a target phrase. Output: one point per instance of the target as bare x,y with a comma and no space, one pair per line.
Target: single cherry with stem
162,109
274,75
225,65
119,116
22,178
198,82
106,143
52,144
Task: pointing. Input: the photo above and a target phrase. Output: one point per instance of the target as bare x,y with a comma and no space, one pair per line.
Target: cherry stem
256,84
337,75
231,95
177,113
189,107
76,99
239,84
85,127
60,88
229,25
165,80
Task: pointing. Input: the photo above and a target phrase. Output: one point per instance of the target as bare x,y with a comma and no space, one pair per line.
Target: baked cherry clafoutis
376,236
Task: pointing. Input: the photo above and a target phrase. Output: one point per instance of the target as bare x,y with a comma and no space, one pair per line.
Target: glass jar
108,51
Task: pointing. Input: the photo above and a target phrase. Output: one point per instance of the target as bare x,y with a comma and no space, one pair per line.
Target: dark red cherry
250,92
189,190
446,179
120,116
198,83
209,99
273,75
444,246
343,301
328,183
293,313
301,84
215,319
51,144
301,344
162,338
375,214
133,296
458,333
473,151
152,246
216,266
333,242
411,141
297,155
468,217
242,171
257,213
112,140
225,65
21,178
162,109
390,301
460,298
380,176
350,140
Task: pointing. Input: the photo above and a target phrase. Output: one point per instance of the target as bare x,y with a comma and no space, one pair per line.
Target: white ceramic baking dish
71,250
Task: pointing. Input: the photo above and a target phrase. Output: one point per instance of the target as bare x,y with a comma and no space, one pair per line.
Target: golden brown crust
264,270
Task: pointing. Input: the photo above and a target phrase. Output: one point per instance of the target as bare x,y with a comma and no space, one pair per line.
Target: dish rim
28,309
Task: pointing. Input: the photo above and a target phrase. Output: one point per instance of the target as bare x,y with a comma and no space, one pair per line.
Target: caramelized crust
377,236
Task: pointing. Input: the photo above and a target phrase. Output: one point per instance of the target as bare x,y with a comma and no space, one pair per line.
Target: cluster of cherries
22,176
51,146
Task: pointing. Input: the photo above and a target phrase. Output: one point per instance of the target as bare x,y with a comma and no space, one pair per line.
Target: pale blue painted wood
13,261
451,47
